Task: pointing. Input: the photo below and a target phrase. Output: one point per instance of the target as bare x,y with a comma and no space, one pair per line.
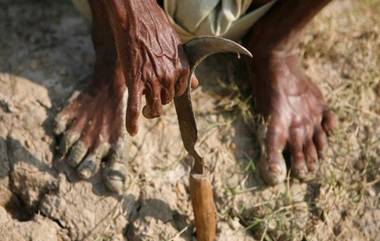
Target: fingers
157,92
167,94
153,107
194,82
133,109
179,88
182,83
156,96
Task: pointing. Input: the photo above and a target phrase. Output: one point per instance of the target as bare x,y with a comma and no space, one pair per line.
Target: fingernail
146,112
132,129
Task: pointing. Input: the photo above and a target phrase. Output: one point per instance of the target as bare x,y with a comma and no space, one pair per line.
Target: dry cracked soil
46,55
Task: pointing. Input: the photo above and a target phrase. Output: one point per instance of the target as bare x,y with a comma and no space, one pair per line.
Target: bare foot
93,128
145,55
297,118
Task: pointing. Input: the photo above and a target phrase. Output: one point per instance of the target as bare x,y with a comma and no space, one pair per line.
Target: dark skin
298,118
152,58
93,124
137,50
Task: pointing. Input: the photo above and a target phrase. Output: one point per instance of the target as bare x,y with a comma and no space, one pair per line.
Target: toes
65,117
77,153
90,165
311,157
329,121
298,166
320,141
61,123
115,174
295,145
68,139
272,163
273,170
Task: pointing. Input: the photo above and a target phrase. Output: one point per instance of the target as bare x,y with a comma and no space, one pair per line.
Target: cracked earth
46,55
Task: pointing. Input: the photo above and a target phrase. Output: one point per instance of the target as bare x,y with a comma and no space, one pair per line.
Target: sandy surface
46,54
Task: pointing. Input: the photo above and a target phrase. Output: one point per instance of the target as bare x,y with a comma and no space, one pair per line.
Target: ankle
270,47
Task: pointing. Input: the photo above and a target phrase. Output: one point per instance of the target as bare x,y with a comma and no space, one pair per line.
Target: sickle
197,50
200,188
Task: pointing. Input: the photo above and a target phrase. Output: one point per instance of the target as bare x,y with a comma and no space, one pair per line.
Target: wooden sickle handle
202,200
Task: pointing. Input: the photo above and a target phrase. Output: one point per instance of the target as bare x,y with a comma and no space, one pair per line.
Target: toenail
275,169
67,140
114,179
115,184
87,168
76,154
321,155
85,173
273,173
300,172
312,166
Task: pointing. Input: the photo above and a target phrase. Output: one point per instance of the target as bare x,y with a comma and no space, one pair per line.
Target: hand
154,62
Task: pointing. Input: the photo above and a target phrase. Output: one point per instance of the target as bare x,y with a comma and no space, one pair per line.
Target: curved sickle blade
197,50
200,48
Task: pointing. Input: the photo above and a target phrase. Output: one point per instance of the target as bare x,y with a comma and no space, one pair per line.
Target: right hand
153,59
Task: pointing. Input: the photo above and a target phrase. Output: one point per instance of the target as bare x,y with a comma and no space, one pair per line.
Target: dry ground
46,54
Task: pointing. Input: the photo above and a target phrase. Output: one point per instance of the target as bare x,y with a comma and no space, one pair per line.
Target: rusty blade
197,50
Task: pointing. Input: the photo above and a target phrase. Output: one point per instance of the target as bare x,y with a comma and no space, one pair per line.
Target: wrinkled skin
136,49
152,58
297,116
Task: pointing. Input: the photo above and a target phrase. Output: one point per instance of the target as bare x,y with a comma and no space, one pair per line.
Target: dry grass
341,51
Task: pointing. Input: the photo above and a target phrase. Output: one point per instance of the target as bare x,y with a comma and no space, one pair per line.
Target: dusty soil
46,54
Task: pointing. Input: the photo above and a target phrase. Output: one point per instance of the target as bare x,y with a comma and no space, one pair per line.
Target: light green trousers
191,18
222,18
